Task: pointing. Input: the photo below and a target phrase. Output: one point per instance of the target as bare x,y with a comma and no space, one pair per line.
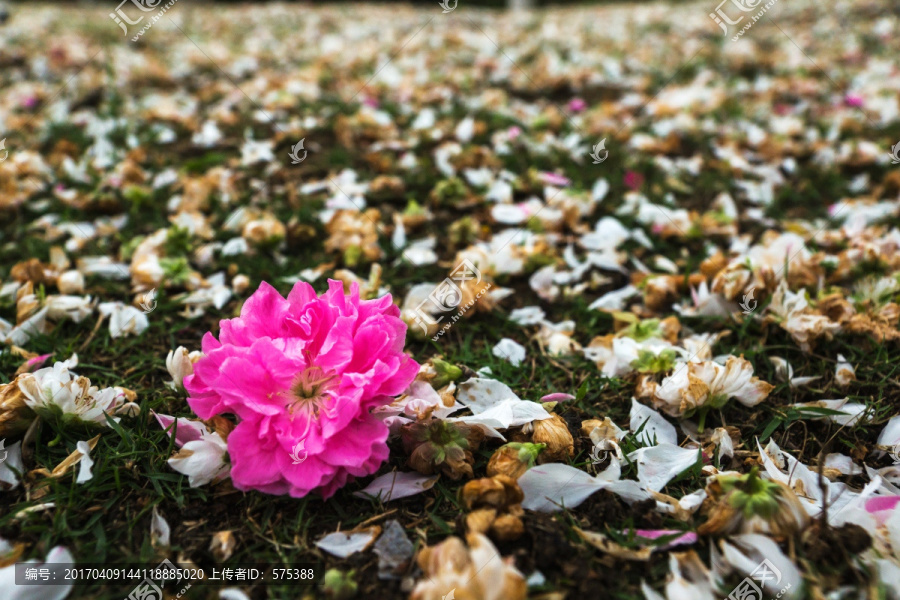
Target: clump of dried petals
792,312
476,573
354,234
496,507
15,415
264,231
701,386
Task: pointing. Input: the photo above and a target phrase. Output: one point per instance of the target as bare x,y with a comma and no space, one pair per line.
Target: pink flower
304,372
514,132
633,180
853,100
555,179
577,105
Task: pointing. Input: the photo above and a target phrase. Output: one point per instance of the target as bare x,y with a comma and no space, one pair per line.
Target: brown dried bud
507,528
434,444
481,520
500,492
554,433
513,459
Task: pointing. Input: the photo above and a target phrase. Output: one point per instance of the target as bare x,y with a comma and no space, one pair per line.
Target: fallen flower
203,460
697,387
477,572
749,504
304,370
55,392
124,319
435,445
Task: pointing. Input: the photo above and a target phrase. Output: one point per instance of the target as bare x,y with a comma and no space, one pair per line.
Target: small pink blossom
35,363
514,132
304,370
853,100
371,102
555,179
633,180
557,397
577,105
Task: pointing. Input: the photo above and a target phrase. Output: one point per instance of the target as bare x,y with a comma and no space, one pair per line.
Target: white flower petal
343,544
655,426
659,464
394,485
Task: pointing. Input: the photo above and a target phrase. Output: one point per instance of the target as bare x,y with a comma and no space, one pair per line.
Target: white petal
480,394
654,425
343,544
9,480
510,350
10,591
890,435
659,464
85,464
548,488
159,530
394,485
752,552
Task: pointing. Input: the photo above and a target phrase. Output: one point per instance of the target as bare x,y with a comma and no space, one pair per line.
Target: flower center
310,389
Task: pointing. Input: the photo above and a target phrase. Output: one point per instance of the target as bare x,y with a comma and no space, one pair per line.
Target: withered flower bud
434,445
513,459
749,504
499,492
555,435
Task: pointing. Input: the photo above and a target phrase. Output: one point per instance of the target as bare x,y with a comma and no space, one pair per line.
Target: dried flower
474,573
435,445
554,434
513,459
750,504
